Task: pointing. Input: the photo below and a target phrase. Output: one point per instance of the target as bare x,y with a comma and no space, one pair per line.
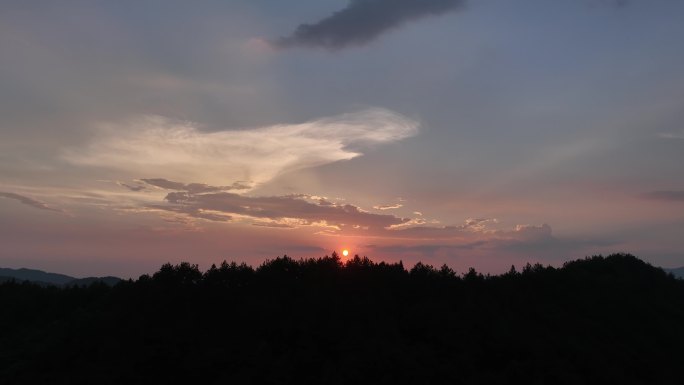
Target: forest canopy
325,321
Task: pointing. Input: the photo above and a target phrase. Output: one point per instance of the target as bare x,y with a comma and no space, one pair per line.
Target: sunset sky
479,133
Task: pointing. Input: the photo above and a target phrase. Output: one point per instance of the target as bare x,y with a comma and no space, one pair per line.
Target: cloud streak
388,206
472,230
363,21
277,210
134,188
193,188
29,201
293,211
178,150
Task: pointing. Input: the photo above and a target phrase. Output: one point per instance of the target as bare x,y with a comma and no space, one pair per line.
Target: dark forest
599,320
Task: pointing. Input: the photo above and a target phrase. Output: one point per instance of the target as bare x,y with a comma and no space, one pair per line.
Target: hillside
320,321
43,278
36,276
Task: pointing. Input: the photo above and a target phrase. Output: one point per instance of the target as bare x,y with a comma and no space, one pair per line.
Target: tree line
324,321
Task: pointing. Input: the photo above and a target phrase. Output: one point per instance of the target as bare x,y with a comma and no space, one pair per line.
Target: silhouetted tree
598,320
182,274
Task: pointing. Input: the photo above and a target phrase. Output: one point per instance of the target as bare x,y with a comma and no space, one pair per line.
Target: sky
481,134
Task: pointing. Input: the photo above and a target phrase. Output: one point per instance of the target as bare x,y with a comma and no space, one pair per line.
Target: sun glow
345,252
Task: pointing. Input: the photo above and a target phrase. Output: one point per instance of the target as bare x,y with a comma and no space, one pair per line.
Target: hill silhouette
600,320
35,276
43,278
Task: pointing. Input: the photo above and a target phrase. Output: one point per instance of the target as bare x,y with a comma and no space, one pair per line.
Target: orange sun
345,252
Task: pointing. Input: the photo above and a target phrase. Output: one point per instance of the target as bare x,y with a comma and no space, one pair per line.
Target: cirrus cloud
180,150
29,201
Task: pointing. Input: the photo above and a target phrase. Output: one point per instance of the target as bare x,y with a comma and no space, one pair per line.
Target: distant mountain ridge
678,272
51,279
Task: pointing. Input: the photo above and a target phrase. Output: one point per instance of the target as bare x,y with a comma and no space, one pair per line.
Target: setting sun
345,252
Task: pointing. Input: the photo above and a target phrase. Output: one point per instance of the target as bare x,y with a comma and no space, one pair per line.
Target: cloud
321,201
363,21
274,225
193,212
667,196
29,201
325,202
528,233
294,211
388,207
135,188
179,150
277,210
479,223
472,229
194,188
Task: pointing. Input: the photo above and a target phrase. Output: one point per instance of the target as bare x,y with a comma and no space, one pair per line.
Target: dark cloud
132,187
292,211
275,208
29,201
362,21
324,202
667,196
194,188
529,233
193,212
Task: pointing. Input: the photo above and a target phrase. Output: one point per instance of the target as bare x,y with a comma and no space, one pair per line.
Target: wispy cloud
178,150
363,21
29,201
470,231
388,207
